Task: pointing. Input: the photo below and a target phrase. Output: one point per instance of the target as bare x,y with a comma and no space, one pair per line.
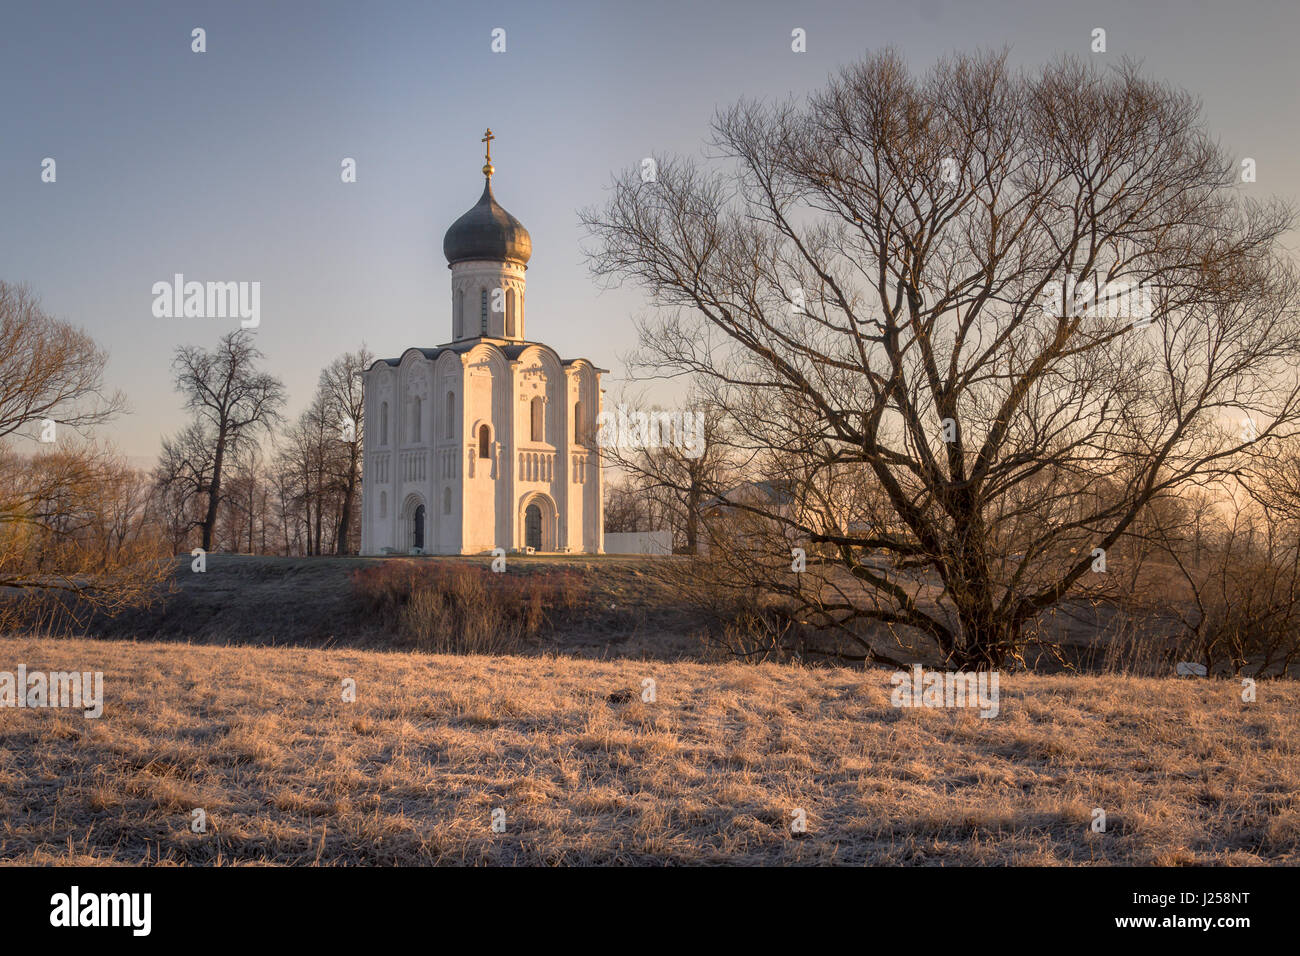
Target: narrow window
446,501
510,313
451,414
482,312
538,431
415,420
577,423
383,504
383,423
484,440
460,314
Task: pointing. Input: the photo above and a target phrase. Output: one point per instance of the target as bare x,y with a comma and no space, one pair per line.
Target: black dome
487,232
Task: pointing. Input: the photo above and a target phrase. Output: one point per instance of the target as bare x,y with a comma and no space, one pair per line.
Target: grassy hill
311,602
586,772
630,607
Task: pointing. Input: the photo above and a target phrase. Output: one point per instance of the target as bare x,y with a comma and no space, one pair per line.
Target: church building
489,440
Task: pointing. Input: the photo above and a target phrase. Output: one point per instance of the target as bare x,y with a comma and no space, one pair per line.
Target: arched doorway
533,527
538,526
413,524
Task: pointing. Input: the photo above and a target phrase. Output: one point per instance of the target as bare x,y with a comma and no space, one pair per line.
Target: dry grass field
587,773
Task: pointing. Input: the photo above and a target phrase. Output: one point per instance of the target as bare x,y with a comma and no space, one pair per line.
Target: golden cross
487,138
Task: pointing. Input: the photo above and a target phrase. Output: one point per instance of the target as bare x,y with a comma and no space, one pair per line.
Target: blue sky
225,165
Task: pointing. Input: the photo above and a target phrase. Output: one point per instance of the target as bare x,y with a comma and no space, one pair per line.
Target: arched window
577,423
383,423
415,420
484,441
446,501
451,415
510,313
538,429
482,312
460,314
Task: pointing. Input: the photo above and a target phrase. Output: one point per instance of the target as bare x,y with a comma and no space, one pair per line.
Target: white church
488,441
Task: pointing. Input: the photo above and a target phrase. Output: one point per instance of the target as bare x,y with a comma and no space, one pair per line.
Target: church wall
584,505
415,421
487,496
504,440
379,505
448,465
487,399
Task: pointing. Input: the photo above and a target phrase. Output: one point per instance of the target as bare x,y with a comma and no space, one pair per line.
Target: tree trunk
345,518
214,492
693,517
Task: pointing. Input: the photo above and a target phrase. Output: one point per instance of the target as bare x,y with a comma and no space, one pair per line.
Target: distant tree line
79,526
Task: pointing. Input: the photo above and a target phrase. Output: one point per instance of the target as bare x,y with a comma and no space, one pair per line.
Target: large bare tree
233,401
1015,305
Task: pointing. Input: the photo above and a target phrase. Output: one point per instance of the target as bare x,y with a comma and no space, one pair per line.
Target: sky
225,165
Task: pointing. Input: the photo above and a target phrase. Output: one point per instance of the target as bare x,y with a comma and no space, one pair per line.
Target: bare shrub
761,625
1140,649
457,608
1245,611
1225,595
458,619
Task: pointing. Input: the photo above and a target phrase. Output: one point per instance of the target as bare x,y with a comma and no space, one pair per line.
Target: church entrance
533,527
411,529
538,526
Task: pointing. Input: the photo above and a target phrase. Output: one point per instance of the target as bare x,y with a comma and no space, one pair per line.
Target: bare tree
49,370
286,506
1020,305
72,530
306,451
232,400
72,520
675,470
182,478
344,390
1238,603
246,497
626,506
